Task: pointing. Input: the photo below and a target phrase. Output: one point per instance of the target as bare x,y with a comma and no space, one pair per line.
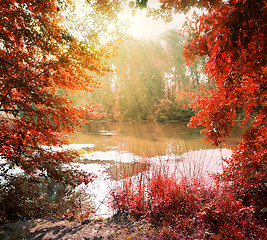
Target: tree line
149,76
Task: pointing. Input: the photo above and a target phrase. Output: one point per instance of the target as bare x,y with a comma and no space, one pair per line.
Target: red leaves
234,44
40,58
233,35
247,168
193,207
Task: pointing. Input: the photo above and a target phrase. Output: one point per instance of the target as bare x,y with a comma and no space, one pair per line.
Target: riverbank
189,206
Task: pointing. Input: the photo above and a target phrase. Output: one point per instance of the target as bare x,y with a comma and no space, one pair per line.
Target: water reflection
120,147
145,139
116,150
119,170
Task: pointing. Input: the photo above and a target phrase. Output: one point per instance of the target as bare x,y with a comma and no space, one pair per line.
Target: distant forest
150,75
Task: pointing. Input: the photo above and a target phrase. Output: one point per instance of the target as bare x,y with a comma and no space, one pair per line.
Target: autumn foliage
42,63
185,208
233,35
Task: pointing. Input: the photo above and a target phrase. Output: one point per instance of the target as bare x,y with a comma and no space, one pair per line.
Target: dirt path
46,229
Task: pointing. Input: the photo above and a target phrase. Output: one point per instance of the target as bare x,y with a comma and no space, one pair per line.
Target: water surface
145,139
114,150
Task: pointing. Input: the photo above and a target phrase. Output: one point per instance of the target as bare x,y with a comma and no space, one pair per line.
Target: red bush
183,209
246,170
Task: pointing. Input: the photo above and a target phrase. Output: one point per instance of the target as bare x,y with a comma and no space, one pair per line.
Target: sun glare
141,26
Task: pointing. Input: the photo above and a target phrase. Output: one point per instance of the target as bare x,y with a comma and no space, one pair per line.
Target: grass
185,204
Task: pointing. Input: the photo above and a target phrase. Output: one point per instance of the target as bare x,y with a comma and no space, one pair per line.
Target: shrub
21,198
167,110
185,208
25,197
157,196
246,170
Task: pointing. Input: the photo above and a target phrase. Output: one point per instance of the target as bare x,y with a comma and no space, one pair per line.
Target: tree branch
3,60
9,90
11,110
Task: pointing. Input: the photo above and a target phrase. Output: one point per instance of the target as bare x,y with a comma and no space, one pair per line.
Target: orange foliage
41,63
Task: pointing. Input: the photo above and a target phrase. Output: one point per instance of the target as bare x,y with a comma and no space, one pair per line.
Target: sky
140,26
145,27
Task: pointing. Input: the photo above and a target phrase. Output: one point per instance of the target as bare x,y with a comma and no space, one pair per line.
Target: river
110,150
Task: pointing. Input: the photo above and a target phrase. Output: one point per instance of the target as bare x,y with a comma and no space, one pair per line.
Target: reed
183,203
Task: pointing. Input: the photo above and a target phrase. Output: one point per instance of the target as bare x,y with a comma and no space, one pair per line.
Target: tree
140,78
174,48
138,83
233,35
145,86
42,62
